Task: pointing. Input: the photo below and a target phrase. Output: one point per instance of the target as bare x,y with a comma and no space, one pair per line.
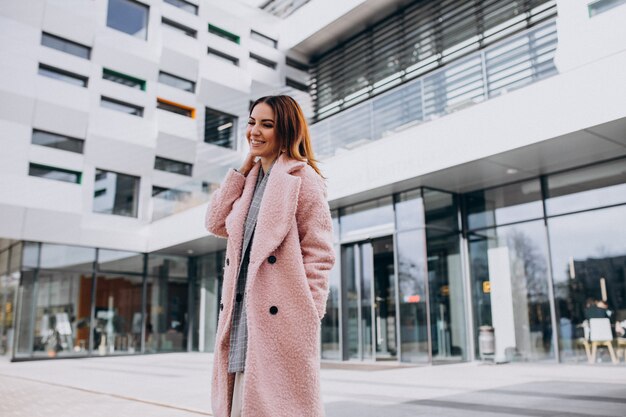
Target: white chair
600,334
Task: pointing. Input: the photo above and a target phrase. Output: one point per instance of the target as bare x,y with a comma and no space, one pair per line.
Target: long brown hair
292,130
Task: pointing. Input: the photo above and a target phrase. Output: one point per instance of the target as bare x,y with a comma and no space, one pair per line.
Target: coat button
273,310
271,259
227,262
221,306
239,297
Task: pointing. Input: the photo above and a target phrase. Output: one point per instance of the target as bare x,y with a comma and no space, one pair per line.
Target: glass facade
418,274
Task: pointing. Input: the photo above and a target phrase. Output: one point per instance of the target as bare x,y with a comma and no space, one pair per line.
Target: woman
278,254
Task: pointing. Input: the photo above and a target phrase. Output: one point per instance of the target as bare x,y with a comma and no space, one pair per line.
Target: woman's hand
247,164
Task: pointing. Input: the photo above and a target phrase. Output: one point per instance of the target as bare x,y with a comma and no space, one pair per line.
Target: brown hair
292,130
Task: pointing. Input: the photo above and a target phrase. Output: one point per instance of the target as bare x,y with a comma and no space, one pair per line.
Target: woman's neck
266,163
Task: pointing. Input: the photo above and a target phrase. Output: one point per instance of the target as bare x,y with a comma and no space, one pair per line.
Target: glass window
176,108
289,82
223,34
440,210
588,253
170,194
62,311
184,5
223,56
54,140
24,332
409,210
127,80
207,288
117,105
75,258
266,40
330,322
369,218
601,6
413,294
62,75
128,16
51,173
30,257
510,286
177,82
170,165
120,261
263,61
115,193
219,128
167,264
185,30
290,62
591,187
502,205
64,45
167,304
118,314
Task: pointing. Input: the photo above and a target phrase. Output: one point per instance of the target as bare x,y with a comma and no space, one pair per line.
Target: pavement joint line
122,397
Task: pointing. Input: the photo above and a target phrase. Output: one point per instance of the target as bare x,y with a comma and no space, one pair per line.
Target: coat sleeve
222,202
316,238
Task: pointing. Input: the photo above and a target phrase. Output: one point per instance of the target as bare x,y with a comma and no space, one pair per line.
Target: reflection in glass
120,261
589,263
502,205
511,289
350,310
118,315
129,17
209,274
412,277
596,186
368,218
167,320
330,322
384,298
26,322
409,210
115,193
75,258
62,313
30,257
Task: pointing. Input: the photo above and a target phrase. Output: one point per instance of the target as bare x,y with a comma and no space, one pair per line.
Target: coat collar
278,207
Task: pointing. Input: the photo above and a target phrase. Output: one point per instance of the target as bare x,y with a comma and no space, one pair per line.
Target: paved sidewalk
178,385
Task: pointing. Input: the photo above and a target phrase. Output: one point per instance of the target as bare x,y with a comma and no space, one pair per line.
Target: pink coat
290,258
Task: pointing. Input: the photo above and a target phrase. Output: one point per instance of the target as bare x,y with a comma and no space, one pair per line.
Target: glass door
369,300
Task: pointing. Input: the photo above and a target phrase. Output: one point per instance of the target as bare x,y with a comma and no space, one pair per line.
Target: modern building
475,154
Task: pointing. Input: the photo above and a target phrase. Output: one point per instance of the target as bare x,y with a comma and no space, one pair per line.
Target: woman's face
261,132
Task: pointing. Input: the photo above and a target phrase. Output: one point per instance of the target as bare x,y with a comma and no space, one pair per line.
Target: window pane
502,205
181,4
413,294
440,211
120,106
510,286
64,45
409,210
173,108
588,253
120,261
223,33
61,75
76,258
207,288
116,193
219,128
170,165
223,56
176,82
118,314
127,80
53,140
167,304
51,173
266,40
172,265
129,17
62,312
587,188
30,257
367,218
178,27
263,61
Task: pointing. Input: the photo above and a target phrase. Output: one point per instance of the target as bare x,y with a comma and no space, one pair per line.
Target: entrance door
369,300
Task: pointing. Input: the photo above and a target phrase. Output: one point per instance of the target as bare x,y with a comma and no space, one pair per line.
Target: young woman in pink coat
274,213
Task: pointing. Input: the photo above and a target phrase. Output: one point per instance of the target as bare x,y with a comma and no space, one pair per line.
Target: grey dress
239,326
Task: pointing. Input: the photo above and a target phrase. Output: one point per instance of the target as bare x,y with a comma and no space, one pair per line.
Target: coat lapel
278,208
235,223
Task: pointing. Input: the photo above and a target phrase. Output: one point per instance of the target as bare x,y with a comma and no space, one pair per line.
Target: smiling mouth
256,142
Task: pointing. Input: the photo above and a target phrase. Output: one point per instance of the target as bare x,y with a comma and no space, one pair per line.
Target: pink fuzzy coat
286,293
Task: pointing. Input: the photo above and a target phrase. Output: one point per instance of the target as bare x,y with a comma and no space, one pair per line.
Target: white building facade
474,156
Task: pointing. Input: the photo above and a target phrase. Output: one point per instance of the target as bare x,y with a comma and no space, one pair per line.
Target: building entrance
369,300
